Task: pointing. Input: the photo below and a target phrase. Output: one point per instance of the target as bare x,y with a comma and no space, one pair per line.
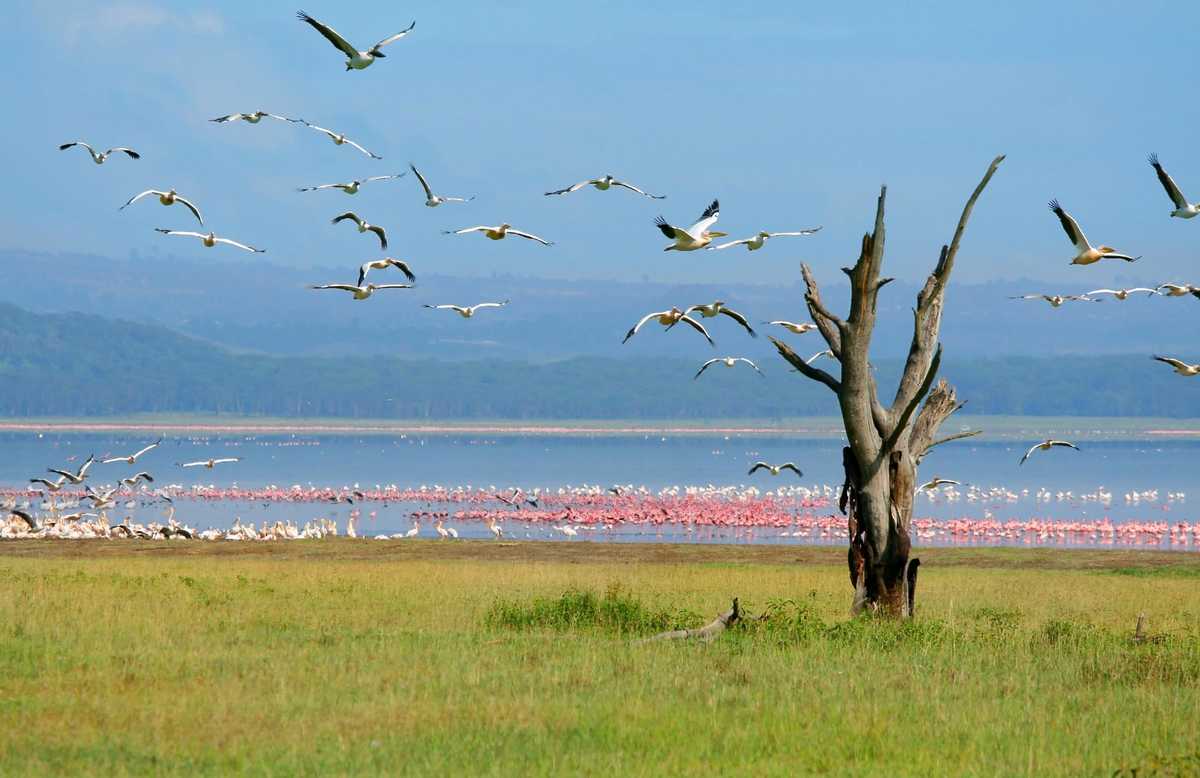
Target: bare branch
939,405
804,368
947,265
829,325
954,437
911,408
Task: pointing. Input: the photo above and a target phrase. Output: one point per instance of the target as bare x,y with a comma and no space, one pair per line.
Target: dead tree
887,442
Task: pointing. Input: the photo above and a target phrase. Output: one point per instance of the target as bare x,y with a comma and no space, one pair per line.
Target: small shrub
615,611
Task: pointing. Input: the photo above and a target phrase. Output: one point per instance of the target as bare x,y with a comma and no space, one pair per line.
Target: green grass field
438,658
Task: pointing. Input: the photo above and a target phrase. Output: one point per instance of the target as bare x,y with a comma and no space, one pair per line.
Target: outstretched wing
344,216
750,362
573,187
137,197
698,327
796,233
1064,444
704,367
530,236
370,154
730,244
706,220
465,230
241,246
633,188
759,466
191,207
1070,226
421,178
330,34
1167,184
1029,453
394,38
151,447
379,231
634,329
342,287
792,466
1175,363
666,229
740,319
132,154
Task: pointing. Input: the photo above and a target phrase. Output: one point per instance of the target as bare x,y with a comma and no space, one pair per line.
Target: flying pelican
169,197
1183,368
357,60
432,200
1055,300
1178,290
793,327
210,463
363,226
340,138
1183,209
669,319
1085,254
25,517
132,458
132,480
100,500
381,264
209,240
826,353
100,157
362,292
252,118
756,242
79,475
51,486
936,482
467,311
695,237
1122,294
603,184
351,187
776,469
728,362
498,233
1046,446
718,307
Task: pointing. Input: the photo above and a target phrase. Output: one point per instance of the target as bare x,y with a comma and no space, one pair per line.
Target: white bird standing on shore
669,319
499,232
467,311
340,139
793,327
356,60
776,469
1183,209
1046,446
757,241
210,239
210,463
695,237
1085,253
361,292
605,183
350,187
134,457
169,197
363,226
100,157
253,118
432,200
1183,368
728,362
717,308
381,264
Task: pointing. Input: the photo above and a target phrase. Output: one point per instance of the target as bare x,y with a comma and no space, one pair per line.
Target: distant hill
77,364
248,304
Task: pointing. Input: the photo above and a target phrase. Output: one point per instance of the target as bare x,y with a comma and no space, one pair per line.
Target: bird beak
719,234
380,54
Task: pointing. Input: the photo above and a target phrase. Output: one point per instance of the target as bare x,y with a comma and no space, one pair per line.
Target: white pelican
669,319
361,292
210,463
432,200
132,480
442,532
1178,290
381,264
936,482
826,353
132,458
776,469
253,118
79,475
169,197
100,500
793,327
467,311
728,362
51,486
1055,300
756,242
99,157
351,187
1122,294
1183,368
1183,209
1046,446
1085,254
498,233
695,237
497,530
603,184
210,239
340,139
363,226
416,530
717,308
356,60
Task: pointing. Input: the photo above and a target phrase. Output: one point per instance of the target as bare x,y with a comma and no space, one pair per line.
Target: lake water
1163,473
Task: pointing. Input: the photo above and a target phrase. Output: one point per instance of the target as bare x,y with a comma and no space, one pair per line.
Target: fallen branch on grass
706,633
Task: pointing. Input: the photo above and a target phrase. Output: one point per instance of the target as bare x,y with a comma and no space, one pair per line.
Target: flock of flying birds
699,235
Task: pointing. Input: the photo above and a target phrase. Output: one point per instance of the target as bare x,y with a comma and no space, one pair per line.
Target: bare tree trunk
706,633
886,443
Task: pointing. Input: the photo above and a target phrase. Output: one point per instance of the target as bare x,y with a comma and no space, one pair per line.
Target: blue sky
792,114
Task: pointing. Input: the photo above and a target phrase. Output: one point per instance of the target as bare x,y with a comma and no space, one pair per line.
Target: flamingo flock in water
621,512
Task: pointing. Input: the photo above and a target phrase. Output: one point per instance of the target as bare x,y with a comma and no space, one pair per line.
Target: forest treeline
82,365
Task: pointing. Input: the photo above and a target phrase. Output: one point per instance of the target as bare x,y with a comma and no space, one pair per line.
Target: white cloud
75,19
